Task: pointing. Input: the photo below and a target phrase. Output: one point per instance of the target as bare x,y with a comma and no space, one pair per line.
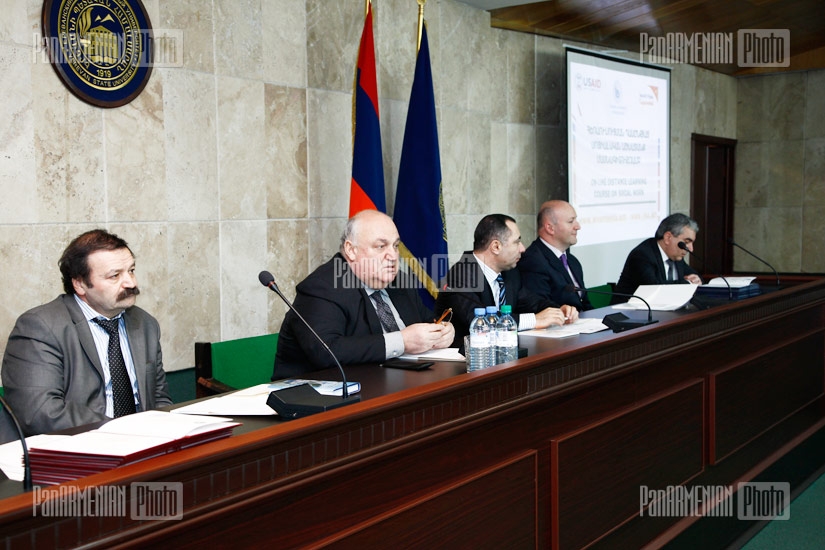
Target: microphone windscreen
682,245
266,278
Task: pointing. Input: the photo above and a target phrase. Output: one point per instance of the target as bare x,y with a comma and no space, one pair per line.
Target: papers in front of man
734,282
661,297
124,440
252,401
740,287
446,354
581,326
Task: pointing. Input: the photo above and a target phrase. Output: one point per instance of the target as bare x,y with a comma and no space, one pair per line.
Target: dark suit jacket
544,274
466,288
52,374
334,303
644,267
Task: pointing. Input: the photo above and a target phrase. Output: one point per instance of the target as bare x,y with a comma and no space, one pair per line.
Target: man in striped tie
486,276
360,304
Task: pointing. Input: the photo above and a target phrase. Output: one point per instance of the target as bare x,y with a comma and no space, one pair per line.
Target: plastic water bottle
481,350
491,316
506,336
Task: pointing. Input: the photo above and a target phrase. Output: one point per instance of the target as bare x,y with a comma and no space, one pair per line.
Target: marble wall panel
551,92
284,49
243,300
14,23
238,38
521,169
196,19
333,34
457,31
814,105
17,164
136,156
499,168
521,77
329,134
551,164
770,173
813,244
191,150
285,129
396,29
776,232
814,178
288,243
771,108
193,306
245,171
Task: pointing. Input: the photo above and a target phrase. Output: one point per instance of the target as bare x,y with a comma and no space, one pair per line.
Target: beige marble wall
239,160
780,172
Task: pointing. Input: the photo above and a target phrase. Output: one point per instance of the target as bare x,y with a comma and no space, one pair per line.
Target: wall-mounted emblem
101,49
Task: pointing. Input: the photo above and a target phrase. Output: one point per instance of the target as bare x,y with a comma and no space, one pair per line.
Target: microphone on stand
27,467
684,247
618,322
304,400
734,243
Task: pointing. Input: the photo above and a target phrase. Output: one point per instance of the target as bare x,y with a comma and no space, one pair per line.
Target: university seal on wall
101,49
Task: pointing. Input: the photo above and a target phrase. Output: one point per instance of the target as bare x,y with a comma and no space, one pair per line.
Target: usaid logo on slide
588,83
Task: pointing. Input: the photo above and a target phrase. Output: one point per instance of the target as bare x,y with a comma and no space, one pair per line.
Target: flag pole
367,7
420,23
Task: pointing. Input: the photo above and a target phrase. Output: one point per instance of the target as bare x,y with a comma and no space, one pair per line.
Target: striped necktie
502,296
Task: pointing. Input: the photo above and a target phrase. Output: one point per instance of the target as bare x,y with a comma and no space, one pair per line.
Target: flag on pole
367,185
419,205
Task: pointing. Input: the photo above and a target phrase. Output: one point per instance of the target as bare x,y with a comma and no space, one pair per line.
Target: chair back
234,364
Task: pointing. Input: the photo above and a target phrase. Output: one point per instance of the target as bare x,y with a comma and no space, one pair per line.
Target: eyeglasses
445,317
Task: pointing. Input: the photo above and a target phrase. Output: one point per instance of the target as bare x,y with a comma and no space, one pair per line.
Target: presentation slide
618,121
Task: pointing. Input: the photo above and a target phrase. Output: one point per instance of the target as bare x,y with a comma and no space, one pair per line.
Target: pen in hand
446,312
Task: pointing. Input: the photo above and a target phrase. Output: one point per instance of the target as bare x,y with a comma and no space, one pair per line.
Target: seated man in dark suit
659,260
486,276
359,305
547,267
62,368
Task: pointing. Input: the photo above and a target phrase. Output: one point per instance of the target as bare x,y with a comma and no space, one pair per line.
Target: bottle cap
492,309
479,311
506,309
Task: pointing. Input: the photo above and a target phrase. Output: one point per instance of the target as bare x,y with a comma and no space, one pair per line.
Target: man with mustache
359,304
486,276
90,354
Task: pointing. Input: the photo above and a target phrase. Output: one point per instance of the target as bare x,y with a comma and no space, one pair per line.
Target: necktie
124,399
384,312
563,259
671,271
502,296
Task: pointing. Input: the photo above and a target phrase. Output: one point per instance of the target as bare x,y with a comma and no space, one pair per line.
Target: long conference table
549,451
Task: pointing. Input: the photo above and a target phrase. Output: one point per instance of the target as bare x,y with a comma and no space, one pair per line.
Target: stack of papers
446,354
581,326
124,440
252,401
661,297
